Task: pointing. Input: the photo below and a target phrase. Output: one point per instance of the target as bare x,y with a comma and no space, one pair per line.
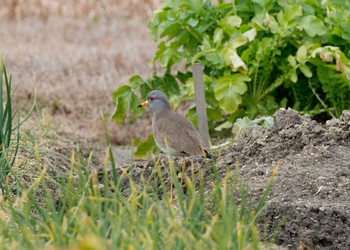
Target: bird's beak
143,104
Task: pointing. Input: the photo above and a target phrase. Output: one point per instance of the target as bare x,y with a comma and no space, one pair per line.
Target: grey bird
173,133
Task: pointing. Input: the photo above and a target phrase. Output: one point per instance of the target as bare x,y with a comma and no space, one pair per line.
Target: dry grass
76,61
21,9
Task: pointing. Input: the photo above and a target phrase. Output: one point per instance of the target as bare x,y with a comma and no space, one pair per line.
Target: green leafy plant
258,56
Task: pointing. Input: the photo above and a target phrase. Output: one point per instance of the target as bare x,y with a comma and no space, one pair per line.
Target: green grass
9,132
79,211
9,143
90,209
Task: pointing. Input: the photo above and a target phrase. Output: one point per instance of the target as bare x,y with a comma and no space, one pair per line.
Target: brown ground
311,194
75,61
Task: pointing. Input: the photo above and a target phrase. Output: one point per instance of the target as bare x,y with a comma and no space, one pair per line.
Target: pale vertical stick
201,105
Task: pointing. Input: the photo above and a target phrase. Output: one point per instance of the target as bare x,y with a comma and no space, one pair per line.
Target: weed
9,133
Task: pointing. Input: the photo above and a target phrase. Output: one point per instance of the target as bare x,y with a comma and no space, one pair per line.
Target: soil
75,64
310,198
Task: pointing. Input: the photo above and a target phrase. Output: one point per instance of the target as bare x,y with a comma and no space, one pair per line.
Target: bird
173,133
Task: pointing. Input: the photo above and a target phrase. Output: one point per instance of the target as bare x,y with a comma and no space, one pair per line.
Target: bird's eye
151,99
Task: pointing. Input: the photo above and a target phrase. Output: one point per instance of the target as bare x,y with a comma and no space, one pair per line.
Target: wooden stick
201,105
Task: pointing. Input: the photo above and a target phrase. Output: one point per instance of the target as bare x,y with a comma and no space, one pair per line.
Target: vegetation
87,209
9,145
9,133
258,56
82,213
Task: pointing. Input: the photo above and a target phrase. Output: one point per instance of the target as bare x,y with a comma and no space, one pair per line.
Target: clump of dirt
310,199
309,204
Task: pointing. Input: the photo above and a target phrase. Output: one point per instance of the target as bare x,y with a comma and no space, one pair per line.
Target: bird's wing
180,135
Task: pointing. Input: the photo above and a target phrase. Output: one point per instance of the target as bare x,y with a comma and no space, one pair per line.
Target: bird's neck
165,108
161,113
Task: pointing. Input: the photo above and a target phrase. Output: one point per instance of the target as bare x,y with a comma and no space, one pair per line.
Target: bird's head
157,101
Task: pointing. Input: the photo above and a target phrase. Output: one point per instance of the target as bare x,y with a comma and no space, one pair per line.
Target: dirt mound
309,204
310,199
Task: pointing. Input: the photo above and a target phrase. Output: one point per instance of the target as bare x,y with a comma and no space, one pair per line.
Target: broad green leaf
291,12
159,83
342,63
205,52
231,57
134,102
197,5
184,15
121,109
171,30
313,26
192,116
265,122
183,77
193,22
211,54
326,53
190,86
292,61
145,148
214,114
266,45
237,42
237,63
225,125
293,75
153,26
125,99
345,33
306,70
207,44
196,35
230,23
234,21
271,23
216,59
168,57
218,35
136,81
122,91
145,89
301,54
257,25
228,91
172,84
241,124
183,37
250,34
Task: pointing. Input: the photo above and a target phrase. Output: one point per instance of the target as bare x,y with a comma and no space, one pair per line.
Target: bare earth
76,64
310,199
